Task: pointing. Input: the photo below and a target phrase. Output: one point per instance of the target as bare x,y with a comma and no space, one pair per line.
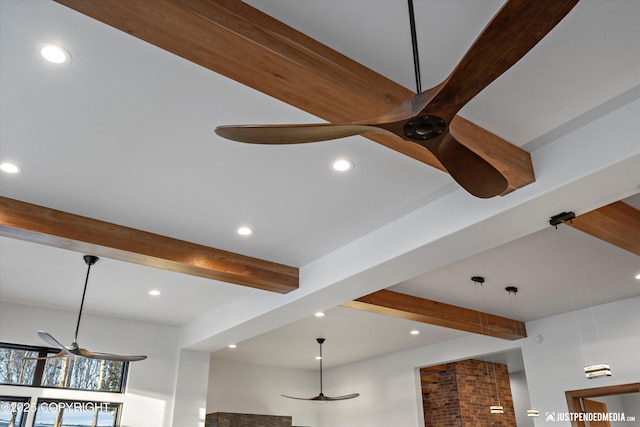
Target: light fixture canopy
497,409
533,413
596,371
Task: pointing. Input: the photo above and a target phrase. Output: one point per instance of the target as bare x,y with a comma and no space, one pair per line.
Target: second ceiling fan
425,119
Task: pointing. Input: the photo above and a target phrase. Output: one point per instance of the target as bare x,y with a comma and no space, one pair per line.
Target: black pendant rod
89,260
414,45
320,341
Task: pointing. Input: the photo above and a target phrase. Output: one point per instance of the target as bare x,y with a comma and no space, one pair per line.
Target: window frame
47,401
40,368
19,399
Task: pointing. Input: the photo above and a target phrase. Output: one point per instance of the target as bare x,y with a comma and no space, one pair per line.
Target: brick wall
459,395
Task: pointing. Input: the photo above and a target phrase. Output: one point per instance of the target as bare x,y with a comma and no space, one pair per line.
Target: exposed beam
436,369
50,227
617,223
429,378
404,306
246,45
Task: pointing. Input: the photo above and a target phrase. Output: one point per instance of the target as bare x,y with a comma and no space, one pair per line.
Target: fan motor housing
424,128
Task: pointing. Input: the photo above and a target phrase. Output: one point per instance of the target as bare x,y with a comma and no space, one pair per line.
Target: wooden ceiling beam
408,307
236,40
33,223
617,223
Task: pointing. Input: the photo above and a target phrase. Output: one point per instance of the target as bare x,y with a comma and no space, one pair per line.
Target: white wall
556,365
192,384
389,385
151,386
256,389
521,399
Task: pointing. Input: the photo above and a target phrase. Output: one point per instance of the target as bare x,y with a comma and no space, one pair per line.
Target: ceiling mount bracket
478,279
511,289
561,217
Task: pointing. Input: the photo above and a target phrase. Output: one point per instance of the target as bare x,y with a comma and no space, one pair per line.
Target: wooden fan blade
345,397
294,134
299,398
513,31
107,356
322,398
46,337
471,171
53,356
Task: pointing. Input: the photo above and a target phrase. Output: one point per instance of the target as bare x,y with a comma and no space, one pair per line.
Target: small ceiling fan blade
294,134
510,35
300,398
108,356
46,337
471,171
329,398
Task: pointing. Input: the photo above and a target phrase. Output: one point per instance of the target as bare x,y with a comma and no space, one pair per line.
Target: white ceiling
124,133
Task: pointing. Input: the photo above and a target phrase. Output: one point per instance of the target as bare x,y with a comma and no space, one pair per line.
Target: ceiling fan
425,119
321,397
74,349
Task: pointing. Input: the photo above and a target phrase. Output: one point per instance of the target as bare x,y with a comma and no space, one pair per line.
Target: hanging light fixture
494,409
514,313
590,371
595,371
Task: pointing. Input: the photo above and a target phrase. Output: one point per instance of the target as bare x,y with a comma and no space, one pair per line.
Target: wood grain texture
574,396
248,46
617,223
408,307
33,223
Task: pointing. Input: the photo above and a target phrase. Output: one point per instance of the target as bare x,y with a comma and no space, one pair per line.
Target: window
18,366
27,366
67,413
13,411
14,368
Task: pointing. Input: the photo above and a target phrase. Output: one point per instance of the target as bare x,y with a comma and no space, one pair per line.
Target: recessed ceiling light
154,292
415,332
55,54
318,358
319,314
342,165
233,346
638,276
244,231
10,168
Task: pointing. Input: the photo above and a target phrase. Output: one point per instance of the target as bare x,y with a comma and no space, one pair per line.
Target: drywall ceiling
124,133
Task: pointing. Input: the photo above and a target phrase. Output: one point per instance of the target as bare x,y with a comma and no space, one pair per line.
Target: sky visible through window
77,418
